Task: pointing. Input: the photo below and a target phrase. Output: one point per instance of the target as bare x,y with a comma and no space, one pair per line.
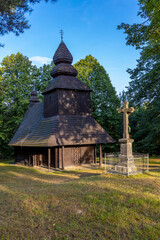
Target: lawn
82,204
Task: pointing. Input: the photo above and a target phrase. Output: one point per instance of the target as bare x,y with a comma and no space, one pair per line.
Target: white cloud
40,60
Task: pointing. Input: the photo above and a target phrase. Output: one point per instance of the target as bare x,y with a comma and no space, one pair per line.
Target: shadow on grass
49,201
7,161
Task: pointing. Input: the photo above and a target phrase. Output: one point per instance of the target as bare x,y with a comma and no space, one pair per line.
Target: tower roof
63,73
62,54
33,98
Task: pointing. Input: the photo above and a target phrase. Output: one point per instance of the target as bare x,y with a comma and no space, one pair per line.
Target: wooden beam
33,160
100,155
49,158
95,155
63,157
40,159
56,157
29,159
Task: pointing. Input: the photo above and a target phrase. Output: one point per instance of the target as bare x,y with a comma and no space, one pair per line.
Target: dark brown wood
63,122
56,157
49,158
29,159
33,160
62,157
40,160
95,155
100,155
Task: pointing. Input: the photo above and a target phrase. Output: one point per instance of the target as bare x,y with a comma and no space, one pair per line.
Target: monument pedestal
126,163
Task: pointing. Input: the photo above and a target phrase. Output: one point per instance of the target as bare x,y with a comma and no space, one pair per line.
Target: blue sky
89,28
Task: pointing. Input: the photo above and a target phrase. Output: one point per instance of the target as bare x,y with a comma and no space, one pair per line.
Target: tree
12,15
103,98
146,33
144,89
43,78
18,77
16,83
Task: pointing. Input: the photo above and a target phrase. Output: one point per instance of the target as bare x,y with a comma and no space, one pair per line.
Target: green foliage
145,84
145,124
12,15
43,78
144,89
147,32
18,77
103,98
17,80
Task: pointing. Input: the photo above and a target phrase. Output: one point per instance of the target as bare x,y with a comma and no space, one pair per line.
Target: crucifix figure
126,112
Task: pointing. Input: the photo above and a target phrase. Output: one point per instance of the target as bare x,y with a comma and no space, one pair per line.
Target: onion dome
63,60
63,73
62,55
33,98
63,69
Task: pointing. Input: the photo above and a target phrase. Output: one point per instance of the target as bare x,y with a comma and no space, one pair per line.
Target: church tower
66,95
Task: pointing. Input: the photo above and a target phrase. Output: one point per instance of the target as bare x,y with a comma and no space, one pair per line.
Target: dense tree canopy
16,83
104,99
18,77
12,15
147,32
144,89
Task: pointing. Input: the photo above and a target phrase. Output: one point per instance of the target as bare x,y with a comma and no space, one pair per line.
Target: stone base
125,170
126,166
126,148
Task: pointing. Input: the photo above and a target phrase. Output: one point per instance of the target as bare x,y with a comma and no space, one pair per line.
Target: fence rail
139,163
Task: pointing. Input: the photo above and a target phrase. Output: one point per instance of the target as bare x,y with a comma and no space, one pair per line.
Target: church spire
63,73
33,98
62,60
62,54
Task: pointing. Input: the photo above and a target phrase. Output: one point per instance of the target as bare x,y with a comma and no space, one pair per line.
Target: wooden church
60,131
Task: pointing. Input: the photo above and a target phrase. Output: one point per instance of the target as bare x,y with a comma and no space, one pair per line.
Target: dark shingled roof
62,54
66,82
63,73
63,69
36,131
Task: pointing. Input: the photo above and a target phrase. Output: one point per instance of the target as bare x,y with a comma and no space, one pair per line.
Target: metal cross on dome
62,33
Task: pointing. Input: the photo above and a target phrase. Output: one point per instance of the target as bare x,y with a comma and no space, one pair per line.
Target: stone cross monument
126,161
126,112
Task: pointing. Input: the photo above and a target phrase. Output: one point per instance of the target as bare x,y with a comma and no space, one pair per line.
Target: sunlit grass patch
79,204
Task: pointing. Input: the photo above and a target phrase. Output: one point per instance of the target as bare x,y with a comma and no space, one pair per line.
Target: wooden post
56,157
29,158
33,160
40,159
49,158
100,155
95,155
63,157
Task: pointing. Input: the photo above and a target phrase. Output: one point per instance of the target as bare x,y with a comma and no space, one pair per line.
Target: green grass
84,204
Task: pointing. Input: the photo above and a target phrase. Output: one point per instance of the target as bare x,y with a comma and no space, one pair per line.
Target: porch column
33,160
63,157
40,159
56,157
95,155
29,158
100,155
49,158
